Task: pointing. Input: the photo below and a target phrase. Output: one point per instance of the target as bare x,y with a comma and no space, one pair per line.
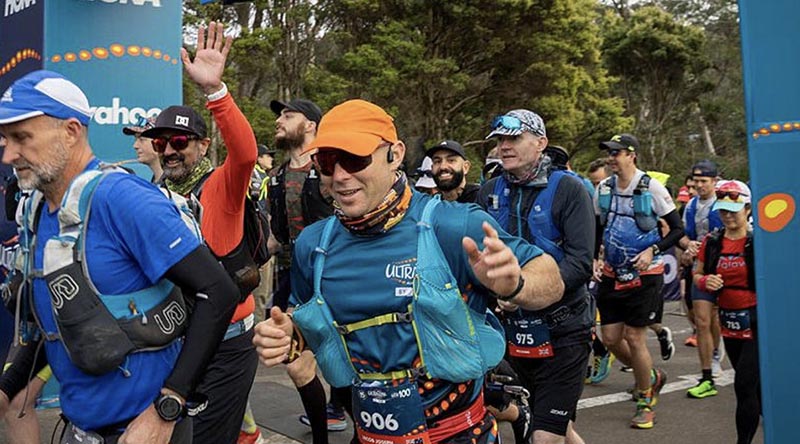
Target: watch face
169,408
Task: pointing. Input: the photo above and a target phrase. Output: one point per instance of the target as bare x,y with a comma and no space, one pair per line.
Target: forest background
667,71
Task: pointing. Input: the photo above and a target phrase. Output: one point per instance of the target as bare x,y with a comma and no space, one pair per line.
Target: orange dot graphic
84,55
147,52
763,131
134,50
55,59
775,211
166,57
117,50
100,53
787,126
70,57
174,61
156,54
775,127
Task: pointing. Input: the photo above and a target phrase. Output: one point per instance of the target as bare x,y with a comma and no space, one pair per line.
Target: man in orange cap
374,289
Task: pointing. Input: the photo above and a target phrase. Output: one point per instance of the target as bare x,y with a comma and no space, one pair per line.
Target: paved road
603,417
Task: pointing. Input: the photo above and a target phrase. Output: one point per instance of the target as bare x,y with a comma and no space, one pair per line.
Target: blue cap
44,93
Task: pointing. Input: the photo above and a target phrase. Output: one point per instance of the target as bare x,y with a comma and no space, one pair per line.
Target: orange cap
355,126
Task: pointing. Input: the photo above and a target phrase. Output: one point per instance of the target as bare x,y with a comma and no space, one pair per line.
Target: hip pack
454,342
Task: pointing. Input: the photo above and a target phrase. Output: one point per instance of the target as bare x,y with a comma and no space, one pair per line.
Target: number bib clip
735,323
528,338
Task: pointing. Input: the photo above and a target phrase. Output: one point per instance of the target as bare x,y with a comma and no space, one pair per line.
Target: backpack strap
319,255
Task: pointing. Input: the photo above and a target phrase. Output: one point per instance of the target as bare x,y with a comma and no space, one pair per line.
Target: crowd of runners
432,307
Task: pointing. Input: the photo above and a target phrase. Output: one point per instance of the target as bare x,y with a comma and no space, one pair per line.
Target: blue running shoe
602,368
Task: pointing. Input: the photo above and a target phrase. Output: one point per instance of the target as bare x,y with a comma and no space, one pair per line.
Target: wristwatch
169,407
656,250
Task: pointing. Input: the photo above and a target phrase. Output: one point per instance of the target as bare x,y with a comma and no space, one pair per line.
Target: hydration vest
98,331
544,232
714,221
455,343
714,252
243,262
646,218
315,206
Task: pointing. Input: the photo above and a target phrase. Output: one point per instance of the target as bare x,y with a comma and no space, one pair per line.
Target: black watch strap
169,407
520,284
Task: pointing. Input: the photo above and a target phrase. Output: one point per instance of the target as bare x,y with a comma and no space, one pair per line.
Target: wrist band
520,284
701,283
219,94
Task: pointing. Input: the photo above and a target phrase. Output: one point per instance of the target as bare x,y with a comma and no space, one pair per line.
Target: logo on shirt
402,272
63,288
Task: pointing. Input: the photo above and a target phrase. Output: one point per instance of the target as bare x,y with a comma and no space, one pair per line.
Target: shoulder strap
198,187
319,255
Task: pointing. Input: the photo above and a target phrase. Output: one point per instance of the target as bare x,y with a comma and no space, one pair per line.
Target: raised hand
496,267
209,60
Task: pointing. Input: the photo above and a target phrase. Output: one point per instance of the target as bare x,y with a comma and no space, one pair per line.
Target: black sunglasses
179,142
326,160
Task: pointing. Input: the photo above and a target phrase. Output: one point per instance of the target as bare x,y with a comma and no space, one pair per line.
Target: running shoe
691,341
602,368
644,417
626,369
716,363
250,438
658,378
336,419
665,341
703,389
522,425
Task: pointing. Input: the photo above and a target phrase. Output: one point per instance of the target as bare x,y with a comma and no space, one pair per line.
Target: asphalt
603,416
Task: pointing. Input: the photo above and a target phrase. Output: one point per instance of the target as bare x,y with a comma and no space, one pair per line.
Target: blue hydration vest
714,221
544,232
454,342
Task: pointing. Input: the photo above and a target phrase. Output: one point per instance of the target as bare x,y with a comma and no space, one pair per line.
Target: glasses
179,142
326,161
614,153
733,195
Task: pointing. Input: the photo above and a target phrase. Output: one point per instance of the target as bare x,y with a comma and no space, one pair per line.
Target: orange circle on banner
84,55
156,54
166,57
117,49
100,53
134,50
55,59
147,52
775,211
70,57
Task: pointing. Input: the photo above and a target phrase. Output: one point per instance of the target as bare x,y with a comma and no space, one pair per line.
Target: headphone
390,156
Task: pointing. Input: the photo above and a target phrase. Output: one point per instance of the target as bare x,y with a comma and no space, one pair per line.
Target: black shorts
637,307
556,385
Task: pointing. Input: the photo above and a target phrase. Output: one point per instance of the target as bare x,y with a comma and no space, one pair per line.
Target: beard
40,176
290,140
180,172
450,184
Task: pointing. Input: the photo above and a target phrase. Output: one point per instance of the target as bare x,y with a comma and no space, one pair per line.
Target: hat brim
430,151
360,144
277,106
17,115
503,131
155,132
132,130
733,207
612,145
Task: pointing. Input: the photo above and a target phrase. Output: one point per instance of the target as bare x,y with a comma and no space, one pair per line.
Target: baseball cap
559,156
683,194
302,106
705,168
355,126
449,145
142,125
181,118
425,179
732,195
515,122
621,142
44,93
263,150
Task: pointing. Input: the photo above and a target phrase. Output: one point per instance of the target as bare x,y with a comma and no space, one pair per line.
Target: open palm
209,61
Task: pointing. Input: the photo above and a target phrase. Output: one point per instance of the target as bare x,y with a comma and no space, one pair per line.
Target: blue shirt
368,276
134,236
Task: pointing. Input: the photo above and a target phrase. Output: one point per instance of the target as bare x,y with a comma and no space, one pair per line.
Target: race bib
388,414
626,278
528,338
735,323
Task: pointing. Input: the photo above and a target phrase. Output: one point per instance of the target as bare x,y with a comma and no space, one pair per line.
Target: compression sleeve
24,367
200,274
675,234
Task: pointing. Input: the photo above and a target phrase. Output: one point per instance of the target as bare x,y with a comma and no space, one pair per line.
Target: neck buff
185,186
388,214
536,175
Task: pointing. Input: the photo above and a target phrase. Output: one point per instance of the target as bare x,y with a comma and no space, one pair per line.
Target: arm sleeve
199,273
675,231
27,362
576,219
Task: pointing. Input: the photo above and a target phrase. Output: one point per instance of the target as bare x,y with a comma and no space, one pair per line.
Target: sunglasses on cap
733,195
508,122
179,142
